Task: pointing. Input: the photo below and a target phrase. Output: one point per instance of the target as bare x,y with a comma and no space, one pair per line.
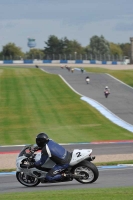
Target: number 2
78,154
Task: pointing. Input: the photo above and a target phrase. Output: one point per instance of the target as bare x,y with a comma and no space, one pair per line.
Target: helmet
106,87
42,139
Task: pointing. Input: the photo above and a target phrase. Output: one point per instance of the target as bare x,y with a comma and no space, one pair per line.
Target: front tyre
88,171
27,180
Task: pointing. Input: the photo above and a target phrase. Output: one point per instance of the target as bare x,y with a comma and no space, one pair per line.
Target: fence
75,56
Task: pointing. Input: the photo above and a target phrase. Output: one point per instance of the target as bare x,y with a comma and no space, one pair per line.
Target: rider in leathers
107,89
56,153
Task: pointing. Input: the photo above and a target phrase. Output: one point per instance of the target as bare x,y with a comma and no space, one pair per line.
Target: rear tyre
88,170
27,180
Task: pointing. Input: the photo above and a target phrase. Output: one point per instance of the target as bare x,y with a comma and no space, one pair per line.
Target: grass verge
125,193
33,101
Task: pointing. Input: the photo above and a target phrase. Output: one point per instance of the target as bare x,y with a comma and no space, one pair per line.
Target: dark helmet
42,139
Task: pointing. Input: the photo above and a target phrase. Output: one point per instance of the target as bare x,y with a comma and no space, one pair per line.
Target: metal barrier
61,62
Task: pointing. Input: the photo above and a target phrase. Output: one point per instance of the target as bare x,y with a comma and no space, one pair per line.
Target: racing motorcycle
80,168
87,80
106,93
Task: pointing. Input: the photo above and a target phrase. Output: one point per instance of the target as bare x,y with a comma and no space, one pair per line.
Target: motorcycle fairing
80,155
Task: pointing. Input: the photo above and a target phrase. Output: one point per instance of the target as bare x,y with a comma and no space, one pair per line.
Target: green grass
32,101
80,194
114,163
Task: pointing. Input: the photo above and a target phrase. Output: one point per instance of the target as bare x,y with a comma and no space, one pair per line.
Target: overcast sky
75,19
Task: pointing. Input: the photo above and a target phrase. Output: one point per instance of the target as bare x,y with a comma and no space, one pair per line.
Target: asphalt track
98,149
120,103
120,177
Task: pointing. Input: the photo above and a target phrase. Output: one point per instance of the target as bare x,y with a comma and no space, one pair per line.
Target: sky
74,19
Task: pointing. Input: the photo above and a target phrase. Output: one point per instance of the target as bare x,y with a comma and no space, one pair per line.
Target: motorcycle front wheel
27,180
88,171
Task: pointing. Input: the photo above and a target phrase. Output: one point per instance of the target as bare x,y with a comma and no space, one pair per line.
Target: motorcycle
106,93
87,80
80,168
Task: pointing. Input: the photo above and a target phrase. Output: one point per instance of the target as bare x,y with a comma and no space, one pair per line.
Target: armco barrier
18,62
38,61
55,61
110,62
71,61
28,61
79,61
86,61
8,61
114,62
61,62
46,61
93,62
98,62
104,62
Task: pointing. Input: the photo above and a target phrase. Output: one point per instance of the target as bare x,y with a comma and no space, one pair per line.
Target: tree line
56,48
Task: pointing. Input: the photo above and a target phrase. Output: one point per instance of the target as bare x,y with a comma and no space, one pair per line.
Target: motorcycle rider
107,89
87,79
54,151
82,70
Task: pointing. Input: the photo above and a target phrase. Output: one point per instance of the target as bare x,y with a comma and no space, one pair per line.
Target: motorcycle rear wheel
88,170
27,180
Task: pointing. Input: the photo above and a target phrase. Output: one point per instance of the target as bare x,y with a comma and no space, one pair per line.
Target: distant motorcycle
87,79
80,167
106,93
